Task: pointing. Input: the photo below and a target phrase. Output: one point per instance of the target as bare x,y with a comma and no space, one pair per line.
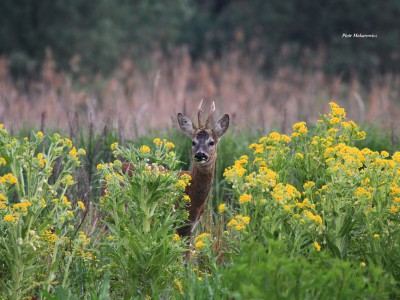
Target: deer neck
200,186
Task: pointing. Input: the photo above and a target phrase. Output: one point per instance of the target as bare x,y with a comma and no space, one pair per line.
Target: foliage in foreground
308,216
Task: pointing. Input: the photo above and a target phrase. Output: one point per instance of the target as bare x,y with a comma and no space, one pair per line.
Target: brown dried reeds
134,101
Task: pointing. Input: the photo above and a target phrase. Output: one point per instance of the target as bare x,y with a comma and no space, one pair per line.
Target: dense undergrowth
310,215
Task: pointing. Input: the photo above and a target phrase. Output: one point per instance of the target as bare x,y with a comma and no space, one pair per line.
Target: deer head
205,137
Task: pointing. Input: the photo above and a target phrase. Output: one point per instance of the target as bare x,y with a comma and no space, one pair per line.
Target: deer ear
186,125
221,126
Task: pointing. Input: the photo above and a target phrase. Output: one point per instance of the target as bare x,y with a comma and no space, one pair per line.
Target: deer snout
200,156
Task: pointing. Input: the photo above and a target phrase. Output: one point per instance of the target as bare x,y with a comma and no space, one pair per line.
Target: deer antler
199,114
210,118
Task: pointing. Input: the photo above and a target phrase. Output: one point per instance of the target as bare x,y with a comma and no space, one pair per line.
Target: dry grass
134,101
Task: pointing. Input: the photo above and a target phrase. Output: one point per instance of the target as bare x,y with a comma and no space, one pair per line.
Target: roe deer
205,138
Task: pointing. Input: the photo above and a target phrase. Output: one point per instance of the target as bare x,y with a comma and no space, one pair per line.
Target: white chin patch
202,162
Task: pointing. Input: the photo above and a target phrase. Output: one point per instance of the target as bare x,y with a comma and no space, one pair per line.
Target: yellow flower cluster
239,222
201,240
8,178
165,142
299,129
145,149
221,208
237,170
244,198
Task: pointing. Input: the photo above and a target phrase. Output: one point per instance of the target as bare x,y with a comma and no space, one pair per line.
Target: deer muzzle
200,157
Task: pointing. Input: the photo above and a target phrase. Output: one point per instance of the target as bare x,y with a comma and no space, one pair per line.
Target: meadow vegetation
311,213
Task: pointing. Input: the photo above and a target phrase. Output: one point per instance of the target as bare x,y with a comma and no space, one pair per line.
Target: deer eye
211,143
194,143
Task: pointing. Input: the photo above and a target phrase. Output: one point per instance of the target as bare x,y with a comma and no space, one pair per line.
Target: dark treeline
304,34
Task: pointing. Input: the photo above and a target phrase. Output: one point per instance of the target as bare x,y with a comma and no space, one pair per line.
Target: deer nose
200,156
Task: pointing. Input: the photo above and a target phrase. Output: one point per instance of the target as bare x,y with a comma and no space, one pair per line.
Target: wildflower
73,153
363,264
376,236
66,202
2,161
113,146
157,141
9,218
384,153
49,236
334,121
202,236
232,222
81,205
2,197
99,166
221,208
200,278
68,142
317,246
186,198
199,245
244,198
176,237
246,220
308,184
181,184
394,209
40,134
42,161
43,203
145,149
240,226
170,145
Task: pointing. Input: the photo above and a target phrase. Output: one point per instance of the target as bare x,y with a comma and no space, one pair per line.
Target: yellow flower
334,121
186,198
68,142
9,218
363,264
221,208
199,245
2,161
49,236
384,153
73,153
244,198
145,149
170,145
176,237
232,222
66,202
309,184
317,246
113,146
40,134
202,236
81,205
246,220
240,226
376,236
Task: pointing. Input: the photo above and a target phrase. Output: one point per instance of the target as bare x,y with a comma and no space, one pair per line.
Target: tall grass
136,98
